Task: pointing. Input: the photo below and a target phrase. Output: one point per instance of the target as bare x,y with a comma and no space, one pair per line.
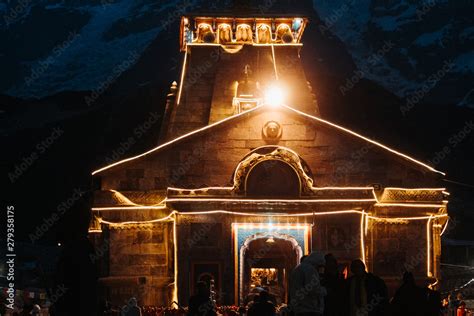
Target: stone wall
209,159
137,262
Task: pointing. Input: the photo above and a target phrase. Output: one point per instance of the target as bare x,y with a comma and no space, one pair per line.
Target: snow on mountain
88,53
52,45
403,45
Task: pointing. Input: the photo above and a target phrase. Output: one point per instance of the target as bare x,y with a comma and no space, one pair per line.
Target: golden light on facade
428,247
172,214
318,119
362,241
175,253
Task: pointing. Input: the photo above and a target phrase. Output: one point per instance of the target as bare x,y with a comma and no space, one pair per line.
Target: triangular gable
256,110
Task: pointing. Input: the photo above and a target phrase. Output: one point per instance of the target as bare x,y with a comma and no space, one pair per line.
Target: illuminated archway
293,238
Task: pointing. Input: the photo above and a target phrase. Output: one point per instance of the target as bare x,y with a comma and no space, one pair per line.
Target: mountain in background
108,65
412,48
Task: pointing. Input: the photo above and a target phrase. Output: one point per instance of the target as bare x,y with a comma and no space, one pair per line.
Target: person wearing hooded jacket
306,292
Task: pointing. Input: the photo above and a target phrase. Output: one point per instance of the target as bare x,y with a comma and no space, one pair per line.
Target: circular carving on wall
272,130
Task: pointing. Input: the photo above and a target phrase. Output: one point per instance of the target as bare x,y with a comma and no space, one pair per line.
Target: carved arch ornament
288,156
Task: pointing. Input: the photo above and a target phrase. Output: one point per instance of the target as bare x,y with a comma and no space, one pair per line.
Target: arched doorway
266,261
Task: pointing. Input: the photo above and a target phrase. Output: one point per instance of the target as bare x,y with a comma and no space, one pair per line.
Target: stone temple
248,177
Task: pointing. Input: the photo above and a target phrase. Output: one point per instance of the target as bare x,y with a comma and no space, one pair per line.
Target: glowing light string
263,201
266,201
416,189
364,138
161,204
257,108
362,241
254,44
174,213
140,207
445,227
274,62
175,140
183,72
414,218
175,252
412,205
428,247
166,218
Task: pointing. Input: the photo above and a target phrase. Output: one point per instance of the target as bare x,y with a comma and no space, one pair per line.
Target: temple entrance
267,261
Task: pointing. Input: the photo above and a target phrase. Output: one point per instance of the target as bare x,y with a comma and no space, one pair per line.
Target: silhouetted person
262,306
200,304
452,305
306,292
433,302
367,293
408,299
131,309
334,283
454,302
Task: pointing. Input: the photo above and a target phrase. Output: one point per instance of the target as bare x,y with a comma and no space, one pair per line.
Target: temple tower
235,61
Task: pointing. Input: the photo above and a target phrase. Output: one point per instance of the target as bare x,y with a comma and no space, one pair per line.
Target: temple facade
248,177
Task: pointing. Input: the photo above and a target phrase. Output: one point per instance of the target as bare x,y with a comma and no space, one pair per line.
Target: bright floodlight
274,96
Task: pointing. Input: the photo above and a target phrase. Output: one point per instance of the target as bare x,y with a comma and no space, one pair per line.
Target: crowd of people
318,288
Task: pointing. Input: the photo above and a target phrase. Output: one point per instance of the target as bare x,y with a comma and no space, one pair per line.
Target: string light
412,205
253,44
428,247
271,215
364,138
445,227
363,228
416,189
176,140
141,207
166,218
270,226
416,218
266,201
183,72
362,241
175,241
432,285
255,109
366,225
274,62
